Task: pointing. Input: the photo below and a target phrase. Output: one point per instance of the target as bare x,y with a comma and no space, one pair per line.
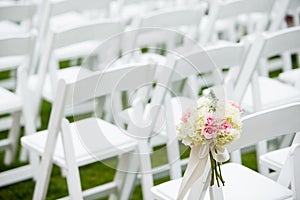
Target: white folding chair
16,104
225,16
71,145
165,30
209,60
69,13
49,71
242,182
16,18
264,92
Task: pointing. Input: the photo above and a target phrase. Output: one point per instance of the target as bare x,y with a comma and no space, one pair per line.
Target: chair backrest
269,124
17,12
153,25
20,14
211,60
99,84
16,45
95,31
231,10
21,46
173,17
265,45
50,9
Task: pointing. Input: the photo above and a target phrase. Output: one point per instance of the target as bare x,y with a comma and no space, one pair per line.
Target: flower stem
221,178
217,173
212,163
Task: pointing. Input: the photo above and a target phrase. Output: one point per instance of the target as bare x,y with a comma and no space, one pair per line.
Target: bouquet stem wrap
201,155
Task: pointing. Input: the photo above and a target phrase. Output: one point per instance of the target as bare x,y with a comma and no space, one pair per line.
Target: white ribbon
199,158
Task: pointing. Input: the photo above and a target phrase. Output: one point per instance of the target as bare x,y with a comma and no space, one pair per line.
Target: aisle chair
89,139
16,104
264,92
223,62
208,60
242,182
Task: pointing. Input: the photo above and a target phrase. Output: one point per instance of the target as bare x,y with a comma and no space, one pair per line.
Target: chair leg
13,138
73,177
126,176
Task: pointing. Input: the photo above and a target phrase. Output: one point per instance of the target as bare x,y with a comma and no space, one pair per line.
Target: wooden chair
71,145
241,182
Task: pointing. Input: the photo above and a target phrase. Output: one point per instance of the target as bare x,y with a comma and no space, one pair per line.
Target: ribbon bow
200,157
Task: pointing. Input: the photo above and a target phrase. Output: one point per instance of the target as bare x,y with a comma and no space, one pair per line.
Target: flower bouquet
211,124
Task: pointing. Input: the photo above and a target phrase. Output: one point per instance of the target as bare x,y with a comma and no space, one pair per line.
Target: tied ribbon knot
200,158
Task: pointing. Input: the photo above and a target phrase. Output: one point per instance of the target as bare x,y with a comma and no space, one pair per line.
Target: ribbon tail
195,169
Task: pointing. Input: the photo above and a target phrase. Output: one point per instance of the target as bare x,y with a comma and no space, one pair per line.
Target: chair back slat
173,18
268,124
108,82
210,59
235,8
91,31
65,6
18,12
281,41
15,46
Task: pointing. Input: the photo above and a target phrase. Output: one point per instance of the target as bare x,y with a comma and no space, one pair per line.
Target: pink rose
236,105
209,119
186,116
225,125
209,132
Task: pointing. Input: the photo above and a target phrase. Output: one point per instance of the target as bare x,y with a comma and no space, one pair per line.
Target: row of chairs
65,36
98,139
193,63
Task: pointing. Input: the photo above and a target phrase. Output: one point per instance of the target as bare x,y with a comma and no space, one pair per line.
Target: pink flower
186,116
225,125
236,105
209,119
209,132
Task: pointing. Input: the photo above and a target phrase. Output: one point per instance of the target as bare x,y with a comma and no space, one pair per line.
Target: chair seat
251,186
273,93
275,159
10,102
90,146
290,77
